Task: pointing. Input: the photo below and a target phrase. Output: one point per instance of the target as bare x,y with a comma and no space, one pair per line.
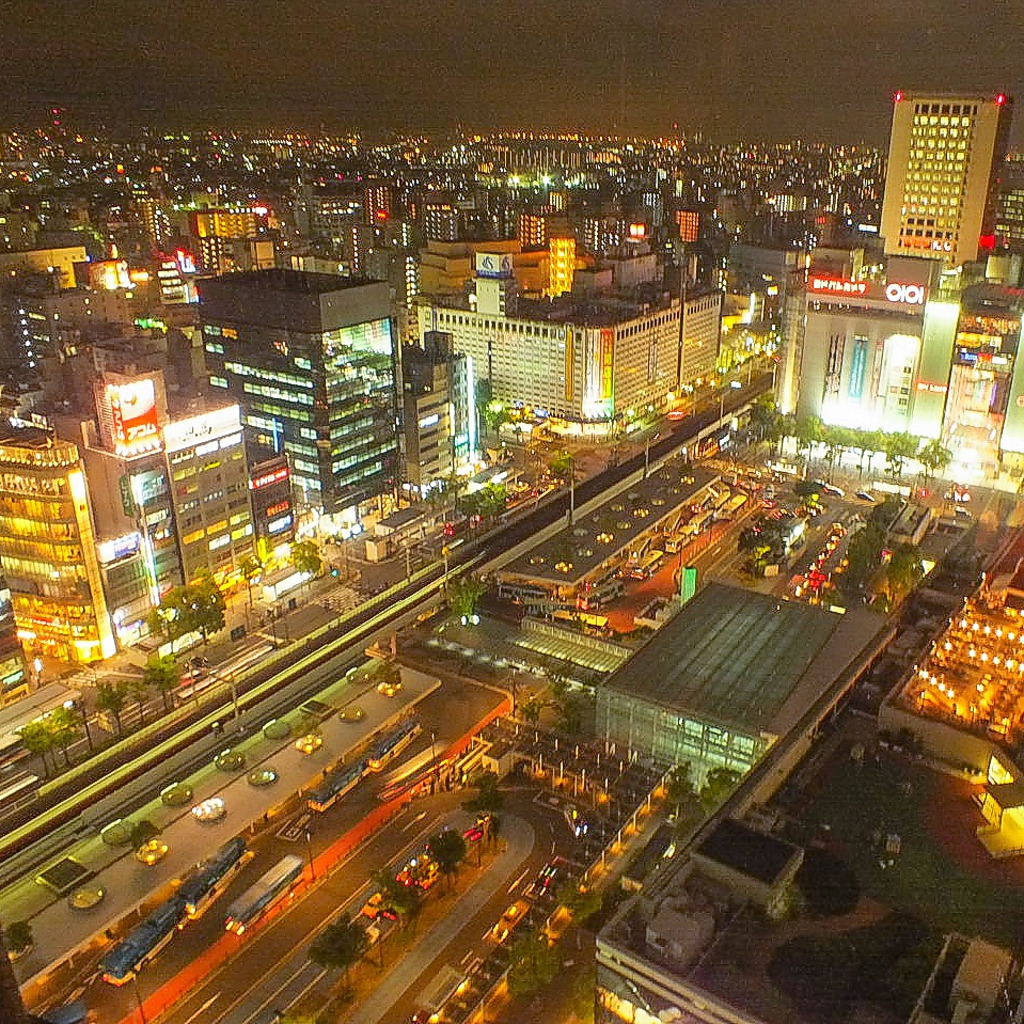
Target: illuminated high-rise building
945,157
377,203
442,221
48,548
311,360
1010,211
533,229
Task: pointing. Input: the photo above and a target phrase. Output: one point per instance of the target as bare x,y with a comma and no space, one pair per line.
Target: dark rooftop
730,656
282,280
746,850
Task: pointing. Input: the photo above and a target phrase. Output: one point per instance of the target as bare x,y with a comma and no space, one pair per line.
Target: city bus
387,749
647,565
263,894
721,500
142,944
698,522
207,882
736,502
339,782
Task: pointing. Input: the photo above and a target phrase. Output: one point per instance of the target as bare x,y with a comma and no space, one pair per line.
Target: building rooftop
736,658
291,281
573,554
747,851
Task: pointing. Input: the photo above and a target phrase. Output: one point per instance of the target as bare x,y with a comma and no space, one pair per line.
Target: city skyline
738,70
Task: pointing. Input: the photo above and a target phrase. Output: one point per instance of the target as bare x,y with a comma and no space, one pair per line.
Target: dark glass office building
311,360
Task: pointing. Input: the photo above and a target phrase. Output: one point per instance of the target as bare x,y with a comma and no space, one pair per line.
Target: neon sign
838,286
912,294
270,478
894,291
133,415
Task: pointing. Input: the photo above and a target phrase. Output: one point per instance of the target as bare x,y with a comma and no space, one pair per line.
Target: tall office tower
945,157
533,229
439,414
48,548
210,491
377,203
311,360
1010,211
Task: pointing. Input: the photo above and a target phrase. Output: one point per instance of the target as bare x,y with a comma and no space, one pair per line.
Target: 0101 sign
911,294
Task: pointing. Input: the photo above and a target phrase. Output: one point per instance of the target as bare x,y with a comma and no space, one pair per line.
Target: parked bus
339,782
721,500
676,541
387,749
697,524
206,884
261,896
647,565
736,502
142,943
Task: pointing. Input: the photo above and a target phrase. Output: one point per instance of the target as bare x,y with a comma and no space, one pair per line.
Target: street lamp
572,487
309,850
647,451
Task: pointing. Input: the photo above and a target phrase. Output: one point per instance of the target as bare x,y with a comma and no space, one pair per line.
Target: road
59,929
274,971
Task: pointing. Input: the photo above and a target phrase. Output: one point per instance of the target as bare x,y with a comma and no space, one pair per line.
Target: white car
210,810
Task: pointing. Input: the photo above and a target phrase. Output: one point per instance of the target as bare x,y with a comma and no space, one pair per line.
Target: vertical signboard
1013,426
858,368
687,583
607,363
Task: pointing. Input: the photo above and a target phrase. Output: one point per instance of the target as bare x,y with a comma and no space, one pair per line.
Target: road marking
515,885
419,817
202,1009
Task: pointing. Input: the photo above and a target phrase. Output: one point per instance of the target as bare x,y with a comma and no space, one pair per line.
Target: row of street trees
63,727
810,433
341,945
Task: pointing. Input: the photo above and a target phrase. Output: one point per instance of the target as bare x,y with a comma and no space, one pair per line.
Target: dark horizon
770,70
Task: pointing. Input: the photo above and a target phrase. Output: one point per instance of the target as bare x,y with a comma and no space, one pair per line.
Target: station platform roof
568,558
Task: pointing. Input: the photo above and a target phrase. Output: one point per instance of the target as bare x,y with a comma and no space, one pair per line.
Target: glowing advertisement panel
858,368
201,429
134,415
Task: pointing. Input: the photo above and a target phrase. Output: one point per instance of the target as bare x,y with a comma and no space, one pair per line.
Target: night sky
756,69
